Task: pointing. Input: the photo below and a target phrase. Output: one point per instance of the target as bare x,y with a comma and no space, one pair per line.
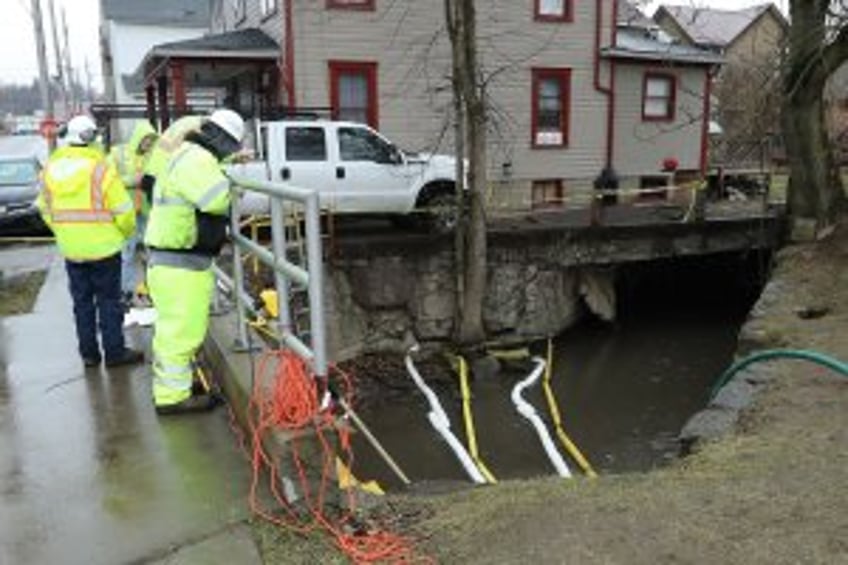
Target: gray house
573,87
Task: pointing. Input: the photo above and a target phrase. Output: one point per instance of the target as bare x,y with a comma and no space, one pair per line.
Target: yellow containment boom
557,418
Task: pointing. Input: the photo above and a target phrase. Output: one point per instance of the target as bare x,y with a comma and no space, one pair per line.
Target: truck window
358,144
305,144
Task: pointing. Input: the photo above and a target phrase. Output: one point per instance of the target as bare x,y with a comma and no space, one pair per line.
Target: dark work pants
96,289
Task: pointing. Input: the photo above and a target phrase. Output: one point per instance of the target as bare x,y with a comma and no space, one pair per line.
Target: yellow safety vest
130,165
192,189
85,204
166,146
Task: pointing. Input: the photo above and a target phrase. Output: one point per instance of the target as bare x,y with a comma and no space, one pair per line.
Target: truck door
300,154
371,174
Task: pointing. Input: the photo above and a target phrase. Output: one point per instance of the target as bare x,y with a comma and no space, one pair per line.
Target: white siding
641,146
128,45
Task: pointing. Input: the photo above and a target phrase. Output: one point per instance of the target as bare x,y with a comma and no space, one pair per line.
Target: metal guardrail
285,271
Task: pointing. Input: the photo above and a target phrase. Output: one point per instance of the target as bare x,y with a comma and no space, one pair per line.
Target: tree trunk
815,187
470,239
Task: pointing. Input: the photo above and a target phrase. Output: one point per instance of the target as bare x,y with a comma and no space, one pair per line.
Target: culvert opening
625,389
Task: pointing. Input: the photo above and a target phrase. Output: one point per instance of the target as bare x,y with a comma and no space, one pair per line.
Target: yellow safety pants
182,299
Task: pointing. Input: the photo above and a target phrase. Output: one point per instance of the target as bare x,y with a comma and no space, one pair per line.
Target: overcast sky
17,46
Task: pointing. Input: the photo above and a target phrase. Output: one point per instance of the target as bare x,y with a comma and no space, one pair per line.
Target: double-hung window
551,92
353,92
658,97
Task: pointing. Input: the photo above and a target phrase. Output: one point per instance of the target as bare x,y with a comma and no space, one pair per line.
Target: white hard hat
230,122
81,130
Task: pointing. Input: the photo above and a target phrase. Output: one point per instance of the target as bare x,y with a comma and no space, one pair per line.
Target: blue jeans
129,276
96,290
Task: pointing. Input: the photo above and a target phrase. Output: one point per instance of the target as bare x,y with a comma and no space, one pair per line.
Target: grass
18,293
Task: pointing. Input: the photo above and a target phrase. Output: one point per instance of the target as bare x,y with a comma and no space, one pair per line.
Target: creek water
625,390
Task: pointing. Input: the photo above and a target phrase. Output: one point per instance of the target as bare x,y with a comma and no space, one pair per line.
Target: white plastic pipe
526,409
440,422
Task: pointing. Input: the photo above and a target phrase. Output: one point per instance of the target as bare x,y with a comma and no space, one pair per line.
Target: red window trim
369,69
564,75
363,5
567,16
672,103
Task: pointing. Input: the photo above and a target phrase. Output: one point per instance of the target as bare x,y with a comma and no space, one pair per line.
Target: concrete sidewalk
88,473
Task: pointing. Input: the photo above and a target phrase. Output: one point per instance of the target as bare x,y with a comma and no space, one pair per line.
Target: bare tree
818,45
470,110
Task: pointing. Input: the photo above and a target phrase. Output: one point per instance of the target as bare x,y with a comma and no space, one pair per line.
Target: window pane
550,105
657,108
552,7
357,144
353,97
305,144
659,87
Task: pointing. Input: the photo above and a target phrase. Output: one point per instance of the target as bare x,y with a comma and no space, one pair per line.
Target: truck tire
441,214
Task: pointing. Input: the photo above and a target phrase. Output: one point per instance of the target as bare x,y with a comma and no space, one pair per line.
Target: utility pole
88,82
57,52
41,47
68,67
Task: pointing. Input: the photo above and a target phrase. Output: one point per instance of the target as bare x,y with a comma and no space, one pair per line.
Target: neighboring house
748,87
742,36
573,87
129,28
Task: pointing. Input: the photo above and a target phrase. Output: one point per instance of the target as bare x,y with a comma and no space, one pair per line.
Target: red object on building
670,164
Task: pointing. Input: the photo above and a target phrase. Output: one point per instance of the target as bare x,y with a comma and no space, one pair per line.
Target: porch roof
250,43
636,44
209,57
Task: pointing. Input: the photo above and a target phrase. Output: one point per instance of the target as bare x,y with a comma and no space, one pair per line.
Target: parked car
356,170
19,186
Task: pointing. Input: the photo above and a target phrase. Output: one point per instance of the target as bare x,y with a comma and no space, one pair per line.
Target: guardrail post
315,266
278,247
238,273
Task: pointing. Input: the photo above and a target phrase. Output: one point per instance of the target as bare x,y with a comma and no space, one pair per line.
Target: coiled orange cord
287,396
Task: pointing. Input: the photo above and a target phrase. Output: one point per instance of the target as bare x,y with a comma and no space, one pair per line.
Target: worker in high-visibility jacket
185,231
85,204
129,160
167,144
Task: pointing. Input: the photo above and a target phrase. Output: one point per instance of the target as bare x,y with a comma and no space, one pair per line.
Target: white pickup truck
355,170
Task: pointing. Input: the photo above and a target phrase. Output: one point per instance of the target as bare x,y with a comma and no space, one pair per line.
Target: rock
738,394
706,425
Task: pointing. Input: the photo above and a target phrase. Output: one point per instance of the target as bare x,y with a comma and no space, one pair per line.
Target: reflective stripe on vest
213,193
178,260
177,201
96,214
177,159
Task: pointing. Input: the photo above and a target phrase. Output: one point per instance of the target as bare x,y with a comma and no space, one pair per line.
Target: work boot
196,403
128,357
91,361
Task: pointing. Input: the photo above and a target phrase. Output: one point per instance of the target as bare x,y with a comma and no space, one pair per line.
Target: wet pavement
88,473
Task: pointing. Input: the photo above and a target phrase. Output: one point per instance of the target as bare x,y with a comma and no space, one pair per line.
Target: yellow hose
468,416
557,419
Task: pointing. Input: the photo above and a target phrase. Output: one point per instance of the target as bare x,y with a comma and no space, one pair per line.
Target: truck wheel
441,212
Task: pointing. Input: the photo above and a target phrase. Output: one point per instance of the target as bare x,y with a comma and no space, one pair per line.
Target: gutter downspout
288,47
609,90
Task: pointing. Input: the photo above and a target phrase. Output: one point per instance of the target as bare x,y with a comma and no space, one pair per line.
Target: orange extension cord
286,396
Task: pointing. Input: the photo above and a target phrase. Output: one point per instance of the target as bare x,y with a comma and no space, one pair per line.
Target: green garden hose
769,354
